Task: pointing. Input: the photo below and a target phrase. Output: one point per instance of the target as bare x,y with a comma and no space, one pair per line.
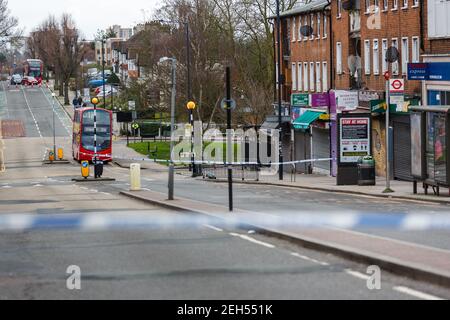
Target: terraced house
346,52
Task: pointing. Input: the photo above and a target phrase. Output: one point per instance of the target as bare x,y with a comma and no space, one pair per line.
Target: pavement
206,262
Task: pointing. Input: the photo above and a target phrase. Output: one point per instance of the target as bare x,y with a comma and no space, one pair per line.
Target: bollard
135,177
85,169
51,156
60,154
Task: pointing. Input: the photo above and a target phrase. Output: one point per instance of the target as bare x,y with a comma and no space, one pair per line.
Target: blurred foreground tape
159,220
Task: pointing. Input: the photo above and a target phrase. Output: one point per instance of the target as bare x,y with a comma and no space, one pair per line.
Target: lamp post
172,124
191,107
103,71
54,127
280,82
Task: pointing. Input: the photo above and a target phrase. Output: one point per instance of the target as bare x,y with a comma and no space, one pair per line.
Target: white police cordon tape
209,162
157,221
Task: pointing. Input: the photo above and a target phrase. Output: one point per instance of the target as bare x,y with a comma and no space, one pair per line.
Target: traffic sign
396,85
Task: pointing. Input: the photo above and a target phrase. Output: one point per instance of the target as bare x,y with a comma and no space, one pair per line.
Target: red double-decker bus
34,68
83,135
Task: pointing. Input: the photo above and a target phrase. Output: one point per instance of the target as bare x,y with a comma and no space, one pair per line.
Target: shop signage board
300,100
431,71
346,100
354,138
320,100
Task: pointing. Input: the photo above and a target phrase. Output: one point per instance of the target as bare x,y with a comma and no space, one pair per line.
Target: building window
312,80
415,50
405,4
318,77
339,8
300,28
405,55
394,4
395,65
318,26
415,3
312,26
325,25
300,78
376,58
324,76
385,5
383,55
367,56
305,77
294,76
339,58
367,6
294,29
306,24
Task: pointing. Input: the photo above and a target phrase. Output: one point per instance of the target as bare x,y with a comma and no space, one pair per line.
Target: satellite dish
306,31
354,63
392,55
349,5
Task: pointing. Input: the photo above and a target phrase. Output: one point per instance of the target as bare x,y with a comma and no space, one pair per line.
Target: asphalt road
32,106
204,263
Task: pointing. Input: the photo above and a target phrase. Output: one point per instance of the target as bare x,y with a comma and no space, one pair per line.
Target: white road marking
264,244
295,254
415,293
37,186
32,114
213,228
6,187
106,193
358,275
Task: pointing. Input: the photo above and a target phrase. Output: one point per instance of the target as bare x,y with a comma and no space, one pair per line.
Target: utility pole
230,146
103,72
280,83
54,127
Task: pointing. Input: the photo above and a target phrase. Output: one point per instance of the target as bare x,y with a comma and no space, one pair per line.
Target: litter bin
98,169
366,172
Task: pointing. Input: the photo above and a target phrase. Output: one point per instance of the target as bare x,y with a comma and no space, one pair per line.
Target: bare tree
9,26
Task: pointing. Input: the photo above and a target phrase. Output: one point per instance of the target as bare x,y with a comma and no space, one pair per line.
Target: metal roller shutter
402,151
321,148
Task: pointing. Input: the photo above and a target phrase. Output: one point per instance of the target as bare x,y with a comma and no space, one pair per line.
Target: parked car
108,92
95,83
28,81
16,79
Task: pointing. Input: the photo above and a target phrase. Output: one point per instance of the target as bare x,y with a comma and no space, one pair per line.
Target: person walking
80,101
75,102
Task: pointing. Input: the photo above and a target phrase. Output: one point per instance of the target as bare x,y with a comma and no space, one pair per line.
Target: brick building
307,69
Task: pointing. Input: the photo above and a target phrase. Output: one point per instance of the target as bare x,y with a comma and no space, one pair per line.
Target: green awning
304,121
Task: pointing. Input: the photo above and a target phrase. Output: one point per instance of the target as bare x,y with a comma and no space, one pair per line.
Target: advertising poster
355,139
416,145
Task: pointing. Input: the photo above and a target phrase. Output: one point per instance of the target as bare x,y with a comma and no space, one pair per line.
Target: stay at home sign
354,139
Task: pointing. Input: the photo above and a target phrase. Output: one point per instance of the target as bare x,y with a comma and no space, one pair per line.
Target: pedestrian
75,102
80,101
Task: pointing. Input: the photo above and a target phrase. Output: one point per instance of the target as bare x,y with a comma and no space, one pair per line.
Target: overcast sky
90,15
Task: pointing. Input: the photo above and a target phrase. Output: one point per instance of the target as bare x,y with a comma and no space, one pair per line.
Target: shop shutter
321,148
402,151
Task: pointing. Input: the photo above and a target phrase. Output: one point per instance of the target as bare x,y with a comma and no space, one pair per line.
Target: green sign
379,106
135,126
300,99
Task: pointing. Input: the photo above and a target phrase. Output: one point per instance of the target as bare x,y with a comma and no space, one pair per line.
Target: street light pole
54,127
279,80
172,126
103,72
